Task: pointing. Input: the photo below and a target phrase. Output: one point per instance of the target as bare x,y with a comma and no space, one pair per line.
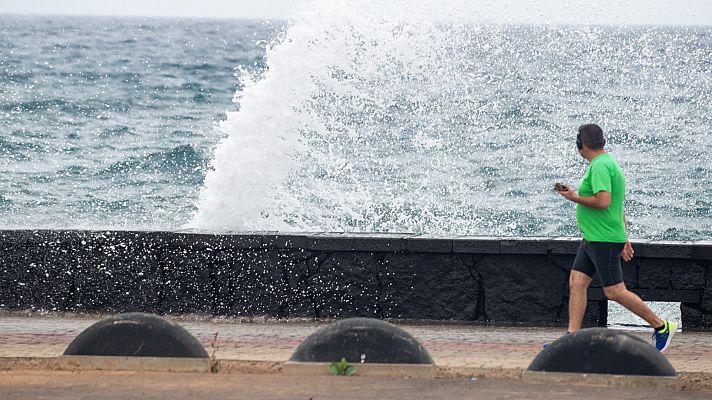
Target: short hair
592,136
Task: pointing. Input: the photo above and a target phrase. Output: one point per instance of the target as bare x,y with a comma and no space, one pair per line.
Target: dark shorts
601,257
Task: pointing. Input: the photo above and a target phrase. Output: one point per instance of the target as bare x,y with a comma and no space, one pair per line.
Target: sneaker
663,338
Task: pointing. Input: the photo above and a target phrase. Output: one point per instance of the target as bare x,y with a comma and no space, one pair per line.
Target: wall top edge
78,233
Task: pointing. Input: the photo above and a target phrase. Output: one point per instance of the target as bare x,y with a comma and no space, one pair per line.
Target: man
600,217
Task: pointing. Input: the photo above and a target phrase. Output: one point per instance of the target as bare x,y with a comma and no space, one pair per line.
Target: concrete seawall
399,276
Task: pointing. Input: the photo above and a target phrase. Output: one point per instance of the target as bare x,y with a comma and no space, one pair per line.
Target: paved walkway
450,345
106,385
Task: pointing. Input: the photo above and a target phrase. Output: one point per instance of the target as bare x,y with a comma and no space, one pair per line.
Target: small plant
342,368
214,363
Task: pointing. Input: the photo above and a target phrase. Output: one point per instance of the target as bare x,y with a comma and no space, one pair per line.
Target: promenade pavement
61,385
461,351
450,344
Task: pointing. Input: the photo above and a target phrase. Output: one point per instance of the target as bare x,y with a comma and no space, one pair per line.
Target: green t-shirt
603,225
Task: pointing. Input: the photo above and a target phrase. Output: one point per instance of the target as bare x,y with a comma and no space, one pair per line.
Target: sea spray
355,99
466,140
385,119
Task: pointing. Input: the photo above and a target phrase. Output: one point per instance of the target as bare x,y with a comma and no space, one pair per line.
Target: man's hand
627,253
568,193
599,200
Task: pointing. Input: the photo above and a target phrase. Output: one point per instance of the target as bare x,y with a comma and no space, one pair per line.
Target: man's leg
609,267
621,295
578,298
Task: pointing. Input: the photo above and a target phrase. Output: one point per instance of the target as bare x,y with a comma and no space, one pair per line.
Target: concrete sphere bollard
361,340
602,351
136,334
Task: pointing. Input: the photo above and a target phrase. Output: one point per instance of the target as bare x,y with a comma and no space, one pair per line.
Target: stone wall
495,280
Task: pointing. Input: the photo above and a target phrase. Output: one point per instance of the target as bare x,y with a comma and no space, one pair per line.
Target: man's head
590,135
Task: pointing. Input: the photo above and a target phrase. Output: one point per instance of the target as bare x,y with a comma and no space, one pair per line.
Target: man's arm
627,253
600,200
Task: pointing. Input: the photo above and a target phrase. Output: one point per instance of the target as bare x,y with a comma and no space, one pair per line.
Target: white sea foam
418,117
347,78
261,140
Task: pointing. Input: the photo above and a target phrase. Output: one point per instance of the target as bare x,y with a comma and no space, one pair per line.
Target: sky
655,12
249,9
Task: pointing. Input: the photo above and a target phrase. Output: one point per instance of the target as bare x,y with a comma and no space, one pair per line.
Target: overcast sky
668,12
269,9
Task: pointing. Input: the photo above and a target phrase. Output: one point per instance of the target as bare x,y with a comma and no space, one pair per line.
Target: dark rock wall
505,281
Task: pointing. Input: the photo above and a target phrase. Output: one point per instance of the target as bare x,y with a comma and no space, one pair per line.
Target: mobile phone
560,187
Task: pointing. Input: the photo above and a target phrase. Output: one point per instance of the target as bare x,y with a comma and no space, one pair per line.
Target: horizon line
286,19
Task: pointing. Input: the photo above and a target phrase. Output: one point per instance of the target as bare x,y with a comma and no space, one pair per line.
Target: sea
347,121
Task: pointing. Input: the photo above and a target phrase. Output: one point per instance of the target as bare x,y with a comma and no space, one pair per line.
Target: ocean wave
201,98
16,149
96,108
73,170
182,160
31,134
191,68
10,76
5,203
94,203
85,108
169,65
197,86
32,105
117,131
79,77
205,67
630,138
